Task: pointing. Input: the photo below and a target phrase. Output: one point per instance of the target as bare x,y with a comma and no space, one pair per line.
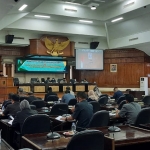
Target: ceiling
135,25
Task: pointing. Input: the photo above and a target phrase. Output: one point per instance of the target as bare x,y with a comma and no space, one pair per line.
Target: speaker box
9,39
94,45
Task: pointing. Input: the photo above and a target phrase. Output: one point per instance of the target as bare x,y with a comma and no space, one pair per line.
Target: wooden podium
6,87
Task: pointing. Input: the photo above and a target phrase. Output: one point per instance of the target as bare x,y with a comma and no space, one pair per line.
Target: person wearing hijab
97,91
25,112
91,96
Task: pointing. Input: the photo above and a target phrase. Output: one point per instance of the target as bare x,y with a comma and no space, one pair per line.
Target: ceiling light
22,7
117,19
130,2
93,7
86,21
41,16
70,8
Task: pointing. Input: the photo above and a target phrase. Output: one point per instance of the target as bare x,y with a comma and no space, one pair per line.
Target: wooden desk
145,126
137,94
129,138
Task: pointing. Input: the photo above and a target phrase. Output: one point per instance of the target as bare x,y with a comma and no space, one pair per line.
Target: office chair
103,100
99,119
72,102
16,81
87,140
58,80
38,103
143,117
52,98
42,80
146,100
120,99
33,107
33,80
103,95
96,106
38,123
59,109
121,104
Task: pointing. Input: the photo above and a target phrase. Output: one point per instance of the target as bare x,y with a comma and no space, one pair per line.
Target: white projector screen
89,59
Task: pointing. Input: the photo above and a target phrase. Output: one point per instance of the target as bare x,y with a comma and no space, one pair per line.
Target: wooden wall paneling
8,70
147,72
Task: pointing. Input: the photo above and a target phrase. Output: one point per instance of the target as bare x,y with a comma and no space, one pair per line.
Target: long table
128,138
56,87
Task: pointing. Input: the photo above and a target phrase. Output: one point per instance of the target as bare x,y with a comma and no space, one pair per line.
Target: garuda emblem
56,48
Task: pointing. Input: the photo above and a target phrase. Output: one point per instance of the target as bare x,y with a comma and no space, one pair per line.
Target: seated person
48,80
53,80
67,97
21,93
117,94
13,108
84,81
83,112
7,102
25,112
91,96
63,80
129,110
97,91
31,97
68,89
37,80
49,92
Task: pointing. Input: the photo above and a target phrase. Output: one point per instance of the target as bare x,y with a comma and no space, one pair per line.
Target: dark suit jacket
50,93
21,116
12,109
30,99
6,103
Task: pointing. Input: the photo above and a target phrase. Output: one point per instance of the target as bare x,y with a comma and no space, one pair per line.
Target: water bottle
73,127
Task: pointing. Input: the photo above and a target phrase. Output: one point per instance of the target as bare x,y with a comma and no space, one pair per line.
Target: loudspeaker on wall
9,39
94,45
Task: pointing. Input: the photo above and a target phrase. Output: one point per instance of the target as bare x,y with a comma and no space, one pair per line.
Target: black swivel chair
42,80
120,99
99,119
33,107
143,117
52,98
59,109
146,100
72,102
96,106
58,80
87,140
121,104
38,103
33,80
103,95
38,123
103,100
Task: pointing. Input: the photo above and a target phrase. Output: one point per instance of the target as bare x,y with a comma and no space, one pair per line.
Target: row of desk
56,87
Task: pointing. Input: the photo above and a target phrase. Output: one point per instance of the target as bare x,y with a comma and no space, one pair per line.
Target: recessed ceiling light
93,7
117,19
86,21
130,2
22,7
41,16
70,8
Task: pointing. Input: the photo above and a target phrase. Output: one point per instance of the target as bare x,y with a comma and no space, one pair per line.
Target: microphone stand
53,135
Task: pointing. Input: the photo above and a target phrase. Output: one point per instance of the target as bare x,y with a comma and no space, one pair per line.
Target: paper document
10,122
59,118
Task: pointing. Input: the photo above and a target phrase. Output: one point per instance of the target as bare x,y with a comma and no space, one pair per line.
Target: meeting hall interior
74,74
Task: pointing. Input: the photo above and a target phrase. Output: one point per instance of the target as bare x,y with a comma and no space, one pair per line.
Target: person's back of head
10,95
24,105
67,91
15,98
129,98
20,90
49,89
81,95
91,92
115,89
68,88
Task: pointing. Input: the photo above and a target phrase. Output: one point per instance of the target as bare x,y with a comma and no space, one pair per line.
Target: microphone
54,135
